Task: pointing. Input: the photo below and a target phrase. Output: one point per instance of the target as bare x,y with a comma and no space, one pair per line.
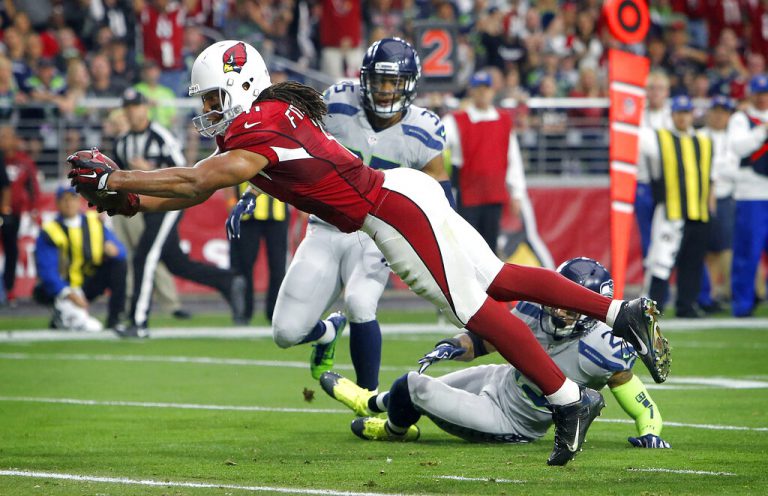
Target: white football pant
326,262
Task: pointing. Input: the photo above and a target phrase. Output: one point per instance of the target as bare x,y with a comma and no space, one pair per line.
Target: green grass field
230,417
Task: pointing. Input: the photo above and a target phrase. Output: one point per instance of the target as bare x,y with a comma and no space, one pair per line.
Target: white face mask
215,121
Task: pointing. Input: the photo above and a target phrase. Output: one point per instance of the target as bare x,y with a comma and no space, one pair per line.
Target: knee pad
284,337
360,308
288,331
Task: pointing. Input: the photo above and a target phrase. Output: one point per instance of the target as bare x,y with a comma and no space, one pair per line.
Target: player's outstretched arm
157,204
632,395
193,183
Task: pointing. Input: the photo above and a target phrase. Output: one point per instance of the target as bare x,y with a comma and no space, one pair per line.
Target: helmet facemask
385,90
215,121
586,272
566,324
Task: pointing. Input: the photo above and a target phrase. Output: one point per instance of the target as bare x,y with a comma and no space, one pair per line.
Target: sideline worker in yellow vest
679,172
77,259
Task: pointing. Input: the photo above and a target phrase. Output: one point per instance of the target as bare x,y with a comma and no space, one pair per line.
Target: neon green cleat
322,356
347,392
377,429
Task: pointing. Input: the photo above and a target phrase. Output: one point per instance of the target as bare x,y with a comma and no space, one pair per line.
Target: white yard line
474,479
674,325
685,383
679,471
246,362
247,408
156,483
155,404
711,427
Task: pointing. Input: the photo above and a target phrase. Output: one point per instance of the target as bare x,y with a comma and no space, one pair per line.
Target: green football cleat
322,356
377,429
347,392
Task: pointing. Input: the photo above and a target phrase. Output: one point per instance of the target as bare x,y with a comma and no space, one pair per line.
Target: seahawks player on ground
375,119
495,403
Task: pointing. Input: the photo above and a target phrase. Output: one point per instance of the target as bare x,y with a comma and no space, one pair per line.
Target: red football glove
90,171
128,206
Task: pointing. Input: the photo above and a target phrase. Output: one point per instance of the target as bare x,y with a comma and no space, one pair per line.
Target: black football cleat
637,324
571,424
131,332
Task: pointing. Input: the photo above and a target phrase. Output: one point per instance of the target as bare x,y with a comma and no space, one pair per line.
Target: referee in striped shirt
147,146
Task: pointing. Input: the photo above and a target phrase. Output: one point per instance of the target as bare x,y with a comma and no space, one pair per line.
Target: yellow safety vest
267,208
80,250
684,184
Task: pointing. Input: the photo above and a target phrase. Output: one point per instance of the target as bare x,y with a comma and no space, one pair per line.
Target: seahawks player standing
496,403
375,120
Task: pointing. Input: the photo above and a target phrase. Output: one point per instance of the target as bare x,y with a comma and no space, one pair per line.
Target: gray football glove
447,349
246,205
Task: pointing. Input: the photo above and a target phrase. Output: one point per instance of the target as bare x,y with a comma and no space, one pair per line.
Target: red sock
494,323
547,287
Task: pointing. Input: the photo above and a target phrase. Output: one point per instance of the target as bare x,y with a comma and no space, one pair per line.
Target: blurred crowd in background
55,53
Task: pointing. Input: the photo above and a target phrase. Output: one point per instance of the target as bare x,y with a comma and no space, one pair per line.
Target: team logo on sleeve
235,58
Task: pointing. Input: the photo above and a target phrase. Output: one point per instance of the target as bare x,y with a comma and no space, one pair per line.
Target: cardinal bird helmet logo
234,58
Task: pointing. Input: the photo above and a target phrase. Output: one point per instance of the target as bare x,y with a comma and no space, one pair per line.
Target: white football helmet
237,70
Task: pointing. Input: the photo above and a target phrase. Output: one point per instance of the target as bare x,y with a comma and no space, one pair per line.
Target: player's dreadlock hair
304,98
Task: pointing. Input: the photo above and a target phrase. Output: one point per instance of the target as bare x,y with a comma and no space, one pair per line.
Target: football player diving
272,136
375,119
496,403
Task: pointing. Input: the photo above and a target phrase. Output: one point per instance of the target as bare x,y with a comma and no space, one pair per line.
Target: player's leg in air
446,261
364,273
311,285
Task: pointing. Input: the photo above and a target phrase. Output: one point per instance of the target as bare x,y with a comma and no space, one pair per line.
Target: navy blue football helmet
588,273
388,77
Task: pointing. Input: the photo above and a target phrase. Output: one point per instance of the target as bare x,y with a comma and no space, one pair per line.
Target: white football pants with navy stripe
326,262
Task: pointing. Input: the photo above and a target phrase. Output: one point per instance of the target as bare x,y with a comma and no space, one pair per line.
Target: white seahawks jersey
413,142
589,361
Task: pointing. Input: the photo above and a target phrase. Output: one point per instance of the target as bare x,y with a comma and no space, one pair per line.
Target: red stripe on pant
493,321
547,287
516,343
409,219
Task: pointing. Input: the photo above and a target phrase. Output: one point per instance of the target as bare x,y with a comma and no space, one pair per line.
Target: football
95,154
105,200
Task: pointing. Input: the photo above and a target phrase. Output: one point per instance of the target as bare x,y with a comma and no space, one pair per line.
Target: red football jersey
307,167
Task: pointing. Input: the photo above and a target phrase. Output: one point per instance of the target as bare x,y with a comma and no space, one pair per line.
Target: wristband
478,344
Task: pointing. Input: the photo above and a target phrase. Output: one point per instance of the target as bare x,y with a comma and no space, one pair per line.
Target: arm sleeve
47,262
743,140
448,190
515,171
635,400
110,236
